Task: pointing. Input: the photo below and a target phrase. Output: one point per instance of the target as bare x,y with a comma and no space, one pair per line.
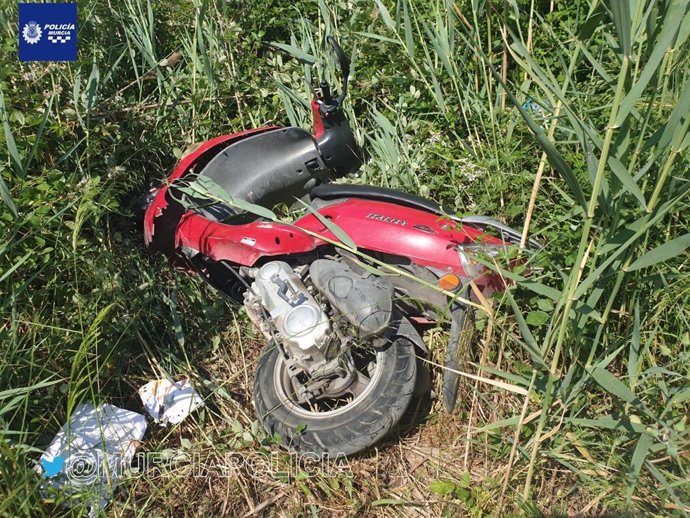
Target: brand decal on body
387,219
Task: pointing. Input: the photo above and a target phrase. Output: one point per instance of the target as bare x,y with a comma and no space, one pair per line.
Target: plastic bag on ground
169,402
90,452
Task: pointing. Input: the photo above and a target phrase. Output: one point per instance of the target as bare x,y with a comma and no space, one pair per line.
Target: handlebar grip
342,58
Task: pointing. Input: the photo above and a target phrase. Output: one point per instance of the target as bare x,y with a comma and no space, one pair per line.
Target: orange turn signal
449,282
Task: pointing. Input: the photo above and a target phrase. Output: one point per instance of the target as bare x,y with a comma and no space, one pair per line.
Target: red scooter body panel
425,238
241,244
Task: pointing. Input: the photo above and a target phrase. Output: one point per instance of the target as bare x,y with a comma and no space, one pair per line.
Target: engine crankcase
366,302
302,325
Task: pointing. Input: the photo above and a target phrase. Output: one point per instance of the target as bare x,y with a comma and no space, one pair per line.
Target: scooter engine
294,315
318,349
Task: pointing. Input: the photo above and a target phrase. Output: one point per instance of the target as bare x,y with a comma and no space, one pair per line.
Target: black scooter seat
272,167
268,168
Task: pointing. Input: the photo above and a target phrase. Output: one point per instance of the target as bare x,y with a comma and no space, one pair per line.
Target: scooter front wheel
332,427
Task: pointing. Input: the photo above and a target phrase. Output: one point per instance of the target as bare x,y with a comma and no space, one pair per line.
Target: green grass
598,336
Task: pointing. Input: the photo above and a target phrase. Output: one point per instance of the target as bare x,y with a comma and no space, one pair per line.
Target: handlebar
344,63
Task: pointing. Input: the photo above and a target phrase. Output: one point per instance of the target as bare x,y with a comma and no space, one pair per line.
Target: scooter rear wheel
346,428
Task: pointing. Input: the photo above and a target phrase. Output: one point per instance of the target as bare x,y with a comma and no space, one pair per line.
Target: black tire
421,401
349,429
457,351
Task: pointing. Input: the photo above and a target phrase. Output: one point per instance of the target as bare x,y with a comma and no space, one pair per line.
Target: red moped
341,292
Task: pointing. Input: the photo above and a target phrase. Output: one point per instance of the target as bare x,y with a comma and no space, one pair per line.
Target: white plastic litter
169,402
90,453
